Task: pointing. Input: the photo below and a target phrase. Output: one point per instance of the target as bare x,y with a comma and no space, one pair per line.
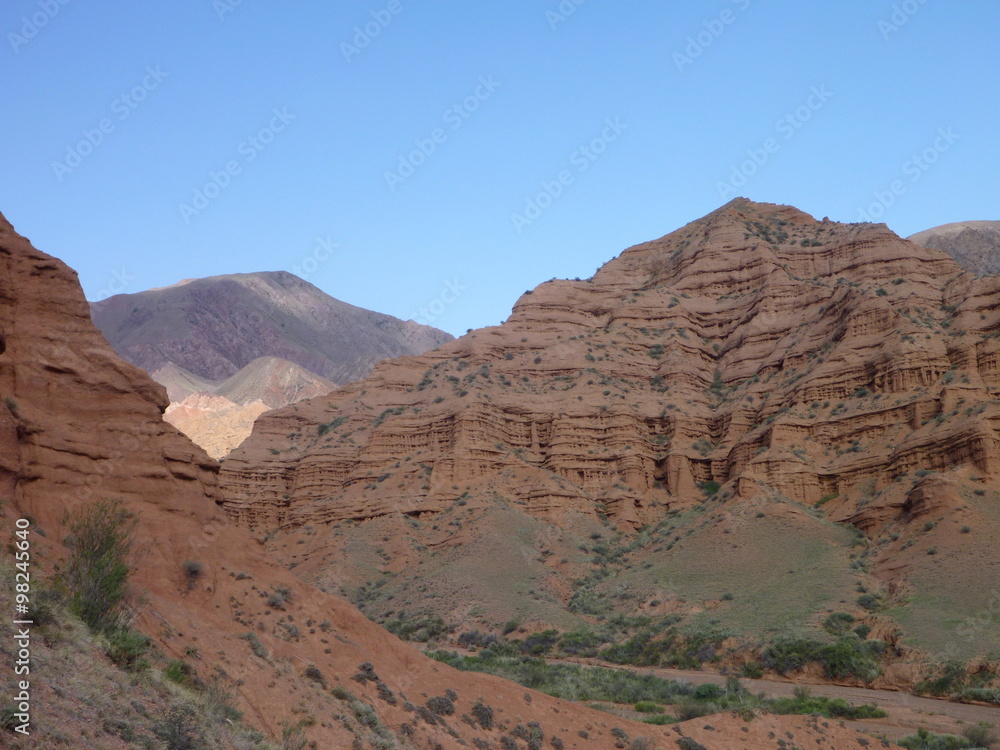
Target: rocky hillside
78,424
215,326
975,245
735,430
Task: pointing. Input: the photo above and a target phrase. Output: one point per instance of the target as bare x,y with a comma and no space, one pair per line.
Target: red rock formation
755,348
77,423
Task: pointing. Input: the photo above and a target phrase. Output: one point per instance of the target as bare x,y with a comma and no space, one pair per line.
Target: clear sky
434,159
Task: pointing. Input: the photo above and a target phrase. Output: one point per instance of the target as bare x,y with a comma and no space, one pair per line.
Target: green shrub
648,707
482,713
659,719
869,602
179,729
255,645
420,629
710,488
127,648
838,623
980,735
852,657
951,679
924,740
178,671
803,702
790,655
693,709
538,644
97,572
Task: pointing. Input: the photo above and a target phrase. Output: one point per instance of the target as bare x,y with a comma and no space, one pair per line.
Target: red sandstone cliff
789,360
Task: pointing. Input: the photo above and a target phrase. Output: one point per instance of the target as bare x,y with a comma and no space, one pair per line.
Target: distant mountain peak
975,245
214,326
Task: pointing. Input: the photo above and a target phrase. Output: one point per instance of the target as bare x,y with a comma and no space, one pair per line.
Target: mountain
214,422
218,416
213,327
180,383
975,245
721,440
230,628
274,381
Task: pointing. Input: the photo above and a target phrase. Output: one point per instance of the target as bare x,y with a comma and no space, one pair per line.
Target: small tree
97,573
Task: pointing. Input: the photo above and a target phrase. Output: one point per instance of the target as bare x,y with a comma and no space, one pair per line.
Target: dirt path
907,713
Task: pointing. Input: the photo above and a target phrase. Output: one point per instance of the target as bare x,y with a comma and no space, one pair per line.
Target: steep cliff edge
756,372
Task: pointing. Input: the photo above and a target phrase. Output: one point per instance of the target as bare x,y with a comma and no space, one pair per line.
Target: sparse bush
278,598
179,729
686,743
255,645
364,713
441,705
924,740
483,714
127,649
838,623
97,572
869,602
980,734
313,673
178,671
420,629
193,568
693,709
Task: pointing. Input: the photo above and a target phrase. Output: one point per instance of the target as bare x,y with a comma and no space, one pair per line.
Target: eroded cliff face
756,349
804,364
78,424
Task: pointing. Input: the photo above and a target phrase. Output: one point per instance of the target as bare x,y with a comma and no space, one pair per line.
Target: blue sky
433,160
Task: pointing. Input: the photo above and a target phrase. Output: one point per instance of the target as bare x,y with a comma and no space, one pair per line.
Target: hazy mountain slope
215,326
274,381
975,245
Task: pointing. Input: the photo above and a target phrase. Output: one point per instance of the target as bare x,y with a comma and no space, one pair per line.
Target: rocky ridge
755,359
